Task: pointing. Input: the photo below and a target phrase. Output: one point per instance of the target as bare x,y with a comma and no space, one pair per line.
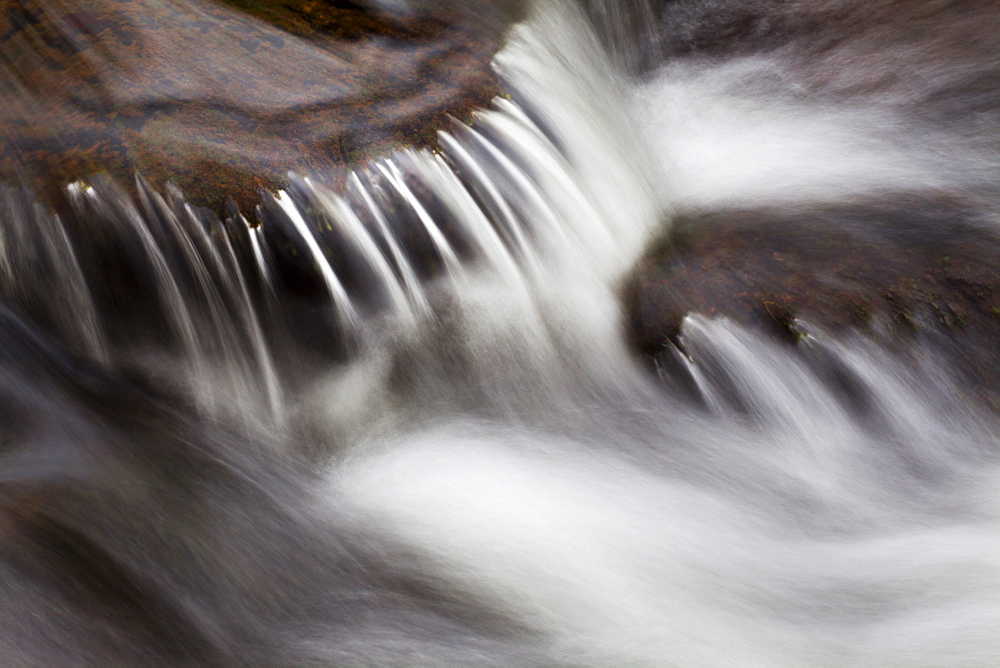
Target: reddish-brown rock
224,100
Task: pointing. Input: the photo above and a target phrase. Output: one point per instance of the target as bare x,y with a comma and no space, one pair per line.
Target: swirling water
403,422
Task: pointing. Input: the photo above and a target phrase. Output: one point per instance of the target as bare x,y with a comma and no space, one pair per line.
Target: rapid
403,422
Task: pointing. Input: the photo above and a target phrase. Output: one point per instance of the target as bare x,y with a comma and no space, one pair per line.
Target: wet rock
895,269
225,98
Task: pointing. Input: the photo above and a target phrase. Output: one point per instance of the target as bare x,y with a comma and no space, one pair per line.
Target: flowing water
402,422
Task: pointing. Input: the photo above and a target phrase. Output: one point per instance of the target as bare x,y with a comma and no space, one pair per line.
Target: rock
892,268
225,100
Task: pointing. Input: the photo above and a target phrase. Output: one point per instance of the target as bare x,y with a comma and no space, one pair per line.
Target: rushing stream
402,422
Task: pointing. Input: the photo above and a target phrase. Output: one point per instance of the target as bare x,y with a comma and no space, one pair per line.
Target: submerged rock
224,99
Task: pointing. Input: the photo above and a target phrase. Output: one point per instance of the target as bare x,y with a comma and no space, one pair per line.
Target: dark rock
893,269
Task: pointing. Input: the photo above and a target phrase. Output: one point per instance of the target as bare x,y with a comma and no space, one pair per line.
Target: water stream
402,422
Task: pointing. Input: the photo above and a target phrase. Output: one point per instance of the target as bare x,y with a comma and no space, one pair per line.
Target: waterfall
402,420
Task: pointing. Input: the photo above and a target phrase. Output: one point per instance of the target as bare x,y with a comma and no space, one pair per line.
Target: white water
489,434
576,497
746,133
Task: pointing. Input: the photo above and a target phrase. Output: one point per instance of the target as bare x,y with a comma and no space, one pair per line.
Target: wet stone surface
223,99
894,269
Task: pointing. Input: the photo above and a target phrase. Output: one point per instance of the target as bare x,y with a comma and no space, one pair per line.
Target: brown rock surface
224,100
893,269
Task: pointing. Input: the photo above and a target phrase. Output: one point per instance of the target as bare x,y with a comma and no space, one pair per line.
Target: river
403,422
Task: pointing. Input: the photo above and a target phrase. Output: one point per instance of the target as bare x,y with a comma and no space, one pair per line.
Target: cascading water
402,422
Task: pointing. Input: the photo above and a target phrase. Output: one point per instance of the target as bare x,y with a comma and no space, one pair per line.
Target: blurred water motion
678,352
